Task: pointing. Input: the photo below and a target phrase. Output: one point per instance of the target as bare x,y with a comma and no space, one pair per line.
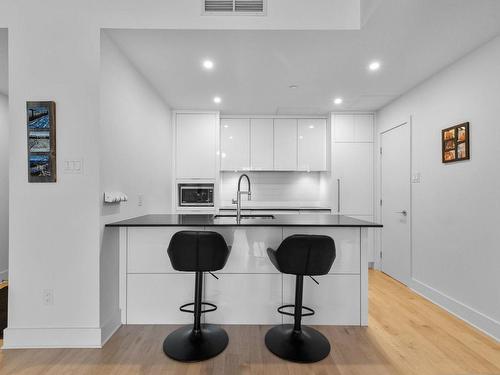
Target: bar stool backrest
306,255
194,251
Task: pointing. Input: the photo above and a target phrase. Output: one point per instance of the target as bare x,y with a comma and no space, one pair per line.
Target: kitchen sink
245,216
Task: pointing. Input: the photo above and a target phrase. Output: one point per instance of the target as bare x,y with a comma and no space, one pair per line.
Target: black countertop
308,220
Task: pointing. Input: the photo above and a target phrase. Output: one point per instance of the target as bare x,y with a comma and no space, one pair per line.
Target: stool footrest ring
184,309
308,309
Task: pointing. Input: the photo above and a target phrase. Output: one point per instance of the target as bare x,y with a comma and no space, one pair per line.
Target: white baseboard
482,322
33,338
110,327
4,275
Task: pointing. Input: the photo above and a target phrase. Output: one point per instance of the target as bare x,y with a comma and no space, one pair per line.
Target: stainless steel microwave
196,195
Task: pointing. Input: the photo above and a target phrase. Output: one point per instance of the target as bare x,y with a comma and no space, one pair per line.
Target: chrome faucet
237,201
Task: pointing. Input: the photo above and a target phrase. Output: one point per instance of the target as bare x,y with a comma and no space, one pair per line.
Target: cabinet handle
338,195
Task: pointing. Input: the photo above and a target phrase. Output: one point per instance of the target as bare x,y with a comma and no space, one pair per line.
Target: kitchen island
249,288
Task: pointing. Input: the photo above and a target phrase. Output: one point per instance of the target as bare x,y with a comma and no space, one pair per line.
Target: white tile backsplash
300,189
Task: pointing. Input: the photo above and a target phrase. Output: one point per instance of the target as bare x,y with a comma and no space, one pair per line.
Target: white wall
136,141
277,188
55,229
136,153
4,187
456,255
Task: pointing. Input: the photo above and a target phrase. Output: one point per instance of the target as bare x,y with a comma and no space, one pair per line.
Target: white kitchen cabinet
353,178
196,145
261,144
147,249
235,144
249,248
151,299
336,300
343,128
312,143
370,246
244,298
285,144
353,127
347,250
363,128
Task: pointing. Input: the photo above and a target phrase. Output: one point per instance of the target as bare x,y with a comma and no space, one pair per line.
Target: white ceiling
413,38
4,82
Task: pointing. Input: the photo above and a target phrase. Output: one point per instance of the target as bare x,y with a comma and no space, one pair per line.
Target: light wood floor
406,335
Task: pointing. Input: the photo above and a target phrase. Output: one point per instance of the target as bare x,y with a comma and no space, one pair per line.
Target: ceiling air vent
234,6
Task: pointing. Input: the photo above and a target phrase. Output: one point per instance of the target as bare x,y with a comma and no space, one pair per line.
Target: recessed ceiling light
374,66
338,101
217,99
208,64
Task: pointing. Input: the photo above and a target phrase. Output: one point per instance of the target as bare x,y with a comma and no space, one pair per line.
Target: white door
396,175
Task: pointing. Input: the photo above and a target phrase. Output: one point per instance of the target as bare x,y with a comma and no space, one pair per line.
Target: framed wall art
455,143
41,131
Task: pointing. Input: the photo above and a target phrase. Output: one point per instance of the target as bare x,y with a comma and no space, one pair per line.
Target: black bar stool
192,251
300,255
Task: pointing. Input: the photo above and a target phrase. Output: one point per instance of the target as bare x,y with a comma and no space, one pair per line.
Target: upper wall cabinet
235,144
261,144
285,144
353,128
312,144
279,144
196,145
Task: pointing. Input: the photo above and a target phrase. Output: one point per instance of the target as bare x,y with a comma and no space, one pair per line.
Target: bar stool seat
300,255
199,252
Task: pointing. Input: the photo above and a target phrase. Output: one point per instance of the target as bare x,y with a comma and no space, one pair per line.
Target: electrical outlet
140,199
48,297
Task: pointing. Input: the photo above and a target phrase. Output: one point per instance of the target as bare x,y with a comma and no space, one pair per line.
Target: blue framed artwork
41,131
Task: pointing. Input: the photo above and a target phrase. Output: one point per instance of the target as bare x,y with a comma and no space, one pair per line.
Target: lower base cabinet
244,298
336,300
156,298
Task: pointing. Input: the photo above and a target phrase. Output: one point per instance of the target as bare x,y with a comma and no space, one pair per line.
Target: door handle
404,212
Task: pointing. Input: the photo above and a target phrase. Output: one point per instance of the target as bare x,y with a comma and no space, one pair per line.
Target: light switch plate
73,166
415,178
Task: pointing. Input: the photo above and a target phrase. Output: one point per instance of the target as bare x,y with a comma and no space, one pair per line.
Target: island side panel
122,271
365,244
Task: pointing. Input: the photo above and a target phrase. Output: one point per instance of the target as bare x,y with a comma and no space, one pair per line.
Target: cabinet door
343,128
261,144
363,128
147,249
312,145
244,298
347,245
353,178
336,300
285,144
155,298
196,145
235,144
